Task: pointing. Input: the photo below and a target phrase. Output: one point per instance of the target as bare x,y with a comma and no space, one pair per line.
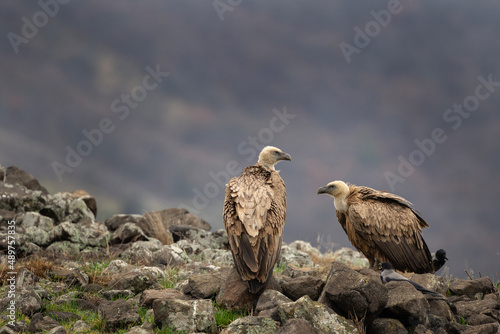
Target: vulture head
339,191
270,156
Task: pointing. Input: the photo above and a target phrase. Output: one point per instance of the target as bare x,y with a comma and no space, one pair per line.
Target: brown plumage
382,226
254,217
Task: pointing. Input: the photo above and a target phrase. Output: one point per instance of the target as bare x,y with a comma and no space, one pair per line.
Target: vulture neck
340,204
266,165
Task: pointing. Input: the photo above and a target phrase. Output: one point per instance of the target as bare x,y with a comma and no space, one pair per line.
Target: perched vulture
382,226
254,216
389,275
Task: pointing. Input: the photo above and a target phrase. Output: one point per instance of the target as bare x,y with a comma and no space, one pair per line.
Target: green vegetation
224,317
279,268
463,321
171,278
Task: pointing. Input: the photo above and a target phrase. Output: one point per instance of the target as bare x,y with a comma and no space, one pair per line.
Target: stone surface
72,277
295,257
128,232
118,220
26,302
149,296
431,282
321,317
203,286
170,255
297,287
268,302
41,323
471,287
15,175
251,325
80,327
234,294
466,309
137,280
351,257
387,326
116,294
348,292
118,314
406,304
297,326
185,315
62,316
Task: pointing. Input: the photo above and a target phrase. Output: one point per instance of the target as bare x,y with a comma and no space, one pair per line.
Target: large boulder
118,314
310,285
202,286
137,280
350,293
471,288
185,315
250,325
268,302
15,175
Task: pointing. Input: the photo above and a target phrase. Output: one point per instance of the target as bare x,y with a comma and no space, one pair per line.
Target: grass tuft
224,317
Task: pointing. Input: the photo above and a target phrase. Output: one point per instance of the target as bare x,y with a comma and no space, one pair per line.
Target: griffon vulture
254,216
389,275
382,226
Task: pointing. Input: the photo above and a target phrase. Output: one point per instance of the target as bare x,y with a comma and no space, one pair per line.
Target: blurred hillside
353,121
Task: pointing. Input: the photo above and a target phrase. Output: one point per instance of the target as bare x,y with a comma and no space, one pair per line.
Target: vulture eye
276,153
331,187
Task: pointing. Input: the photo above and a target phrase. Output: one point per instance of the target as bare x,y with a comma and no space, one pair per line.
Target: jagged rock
321,317
118,220
387,326
218,257
72,277
117,294
62,316
86,233
295,257
64,247
139,330
185,315
118,314
234,294
18,198
137,280
41,323
57,330
26,279
349,292
471,287
88,199
7,330
482,329
15,175
37,228
25,302
116,266
469,308
406,304
297,326
431,282
310,285
140,256
128,232
204,286
80,327
480,319
305,247
420,329
190,247
208,240
250,325
64,206
351,257
170,255
148,296
268,302
92,288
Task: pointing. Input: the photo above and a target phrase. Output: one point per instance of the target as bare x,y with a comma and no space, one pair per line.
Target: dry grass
37,265
359,323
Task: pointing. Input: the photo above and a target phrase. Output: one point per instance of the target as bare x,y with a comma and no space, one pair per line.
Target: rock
86,233
170,255
471,287
190,247
137,280
185,315
297,326
118,314
26,279
62,316
7,330
138,330
117,294
118,220
140,256
18,198
351,257
148,296
80,327
37,228
268,302
234,294
349,293
80,303
72,277
15,175
406,304
208,240
204,286
467,309
295,257
420,329
128,232
218,257
57,330
64,206
321,317
116,266
41,323
92,288
304,285
387,326
64,248
480,319
87,198
305,247
251,325
431,282
482,329
26,302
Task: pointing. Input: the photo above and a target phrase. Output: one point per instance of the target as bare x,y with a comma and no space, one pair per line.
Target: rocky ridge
167,270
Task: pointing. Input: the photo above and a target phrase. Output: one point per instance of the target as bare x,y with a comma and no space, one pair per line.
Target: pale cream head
339,190
270,156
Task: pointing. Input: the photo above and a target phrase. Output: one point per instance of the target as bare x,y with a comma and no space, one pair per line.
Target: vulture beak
286,156
322,190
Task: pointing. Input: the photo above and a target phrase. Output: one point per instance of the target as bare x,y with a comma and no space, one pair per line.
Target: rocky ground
62,271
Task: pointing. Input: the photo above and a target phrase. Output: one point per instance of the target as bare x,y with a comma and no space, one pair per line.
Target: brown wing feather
390,230
254,216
